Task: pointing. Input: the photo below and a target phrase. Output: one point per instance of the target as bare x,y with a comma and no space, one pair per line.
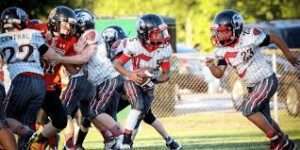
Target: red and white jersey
245,56
141,57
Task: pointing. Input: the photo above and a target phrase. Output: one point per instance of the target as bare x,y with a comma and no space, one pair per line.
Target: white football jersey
142,58
246,58
99,68
20,51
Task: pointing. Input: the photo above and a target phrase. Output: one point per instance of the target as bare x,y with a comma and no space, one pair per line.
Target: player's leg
158,126
82,132
25,96
265,110
83,94
41,119
106,92
52,106
111,142
140,100
7,139
256,102
123,102
70,102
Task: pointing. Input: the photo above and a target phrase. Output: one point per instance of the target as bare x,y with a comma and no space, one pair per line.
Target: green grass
211,130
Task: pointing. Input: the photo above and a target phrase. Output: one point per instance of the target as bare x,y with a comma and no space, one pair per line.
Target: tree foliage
193,17
41,8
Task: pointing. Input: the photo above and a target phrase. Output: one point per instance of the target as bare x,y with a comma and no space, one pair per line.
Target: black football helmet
224,23
152,31
62,17
110,35
85,20
13,17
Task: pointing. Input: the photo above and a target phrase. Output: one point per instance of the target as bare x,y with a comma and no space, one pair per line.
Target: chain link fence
186,80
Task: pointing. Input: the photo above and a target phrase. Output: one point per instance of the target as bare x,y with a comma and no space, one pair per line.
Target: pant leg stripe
107,96
255,93
262,94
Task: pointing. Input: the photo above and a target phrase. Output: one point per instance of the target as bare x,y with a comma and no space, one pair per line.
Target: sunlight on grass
210,130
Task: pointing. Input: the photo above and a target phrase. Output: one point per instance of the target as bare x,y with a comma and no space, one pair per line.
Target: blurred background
197,109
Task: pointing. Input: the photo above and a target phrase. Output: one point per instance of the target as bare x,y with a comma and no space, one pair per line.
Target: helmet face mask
152,32
62,21
222,35
65,28
227,27
159,37
13,18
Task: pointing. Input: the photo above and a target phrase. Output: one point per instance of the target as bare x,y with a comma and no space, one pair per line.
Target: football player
112,36
60,33
238,46
101,73
79,90
149,54
21,49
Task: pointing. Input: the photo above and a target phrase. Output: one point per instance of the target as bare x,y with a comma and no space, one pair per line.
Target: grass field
210,130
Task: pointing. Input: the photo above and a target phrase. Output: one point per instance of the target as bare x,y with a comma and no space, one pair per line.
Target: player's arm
48,53
273,38
119,66
1,70
218,69
165,66
82,57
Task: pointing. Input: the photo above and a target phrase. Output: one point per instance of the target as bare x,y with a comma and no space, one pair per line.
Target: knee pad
149,118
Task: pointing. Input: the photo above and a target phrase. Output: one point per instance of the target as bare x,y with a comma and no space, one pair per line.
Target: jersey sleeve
168,52
102,49
260,37
40,42
91,36
166,63
128,47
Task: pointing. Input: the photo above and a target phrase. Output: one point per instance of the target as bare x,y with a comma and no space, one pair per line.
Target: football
144,73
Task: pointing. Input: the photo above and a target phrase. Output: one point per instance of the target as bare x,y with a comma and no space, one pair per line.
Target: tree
40,9
193,17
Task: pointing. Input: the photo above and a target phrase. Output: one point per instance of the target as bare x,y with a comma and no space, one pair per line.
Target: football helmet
62,21
227,27
110,35
13,17
85,20
152,31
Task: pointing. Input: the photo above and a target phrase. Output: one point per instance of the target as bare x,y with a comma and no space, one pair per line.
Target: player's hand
296,64
294,59
209,61
135,78
53,42
80,45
